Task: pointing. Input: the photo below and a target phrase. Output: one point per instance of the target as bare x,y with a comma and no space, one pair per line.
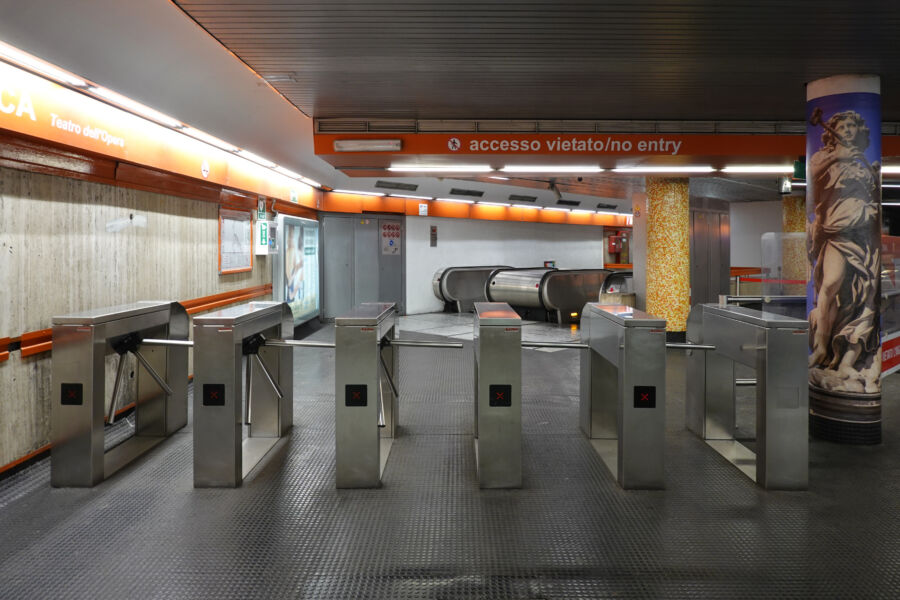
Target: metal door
337,259
363,260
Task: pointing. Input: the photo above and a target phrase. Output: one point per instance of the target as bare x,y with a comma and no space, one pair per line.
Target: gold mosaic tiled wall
668,251
793,251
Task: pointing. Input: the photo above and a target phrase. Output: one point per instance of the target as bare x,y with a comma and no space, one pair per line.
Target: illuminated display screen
298,267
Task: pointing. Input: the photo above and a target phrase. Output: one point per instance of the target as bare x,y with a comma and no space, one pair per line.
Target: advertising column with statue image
296,268
843,206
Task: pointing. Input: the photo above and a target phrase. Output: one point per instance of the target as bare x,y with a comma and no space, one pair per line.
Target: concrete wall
749,220
57,256
472,242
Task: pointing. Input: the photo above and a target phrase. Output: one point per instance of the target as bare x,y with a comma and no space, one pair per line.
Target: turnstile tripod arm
420,344
554,345
165,342
298,344
689,346
156,377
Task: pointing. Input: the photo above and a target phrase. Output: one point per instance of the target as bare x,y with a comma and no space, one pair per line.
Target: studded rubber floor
431,533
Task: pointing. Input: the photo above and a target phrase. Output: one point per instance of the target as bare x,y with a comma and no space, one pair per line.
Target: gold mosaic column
793,249
668,251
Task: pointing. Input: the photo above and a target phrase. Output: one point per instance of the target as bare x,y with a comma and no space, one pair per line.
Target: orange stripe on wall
358,203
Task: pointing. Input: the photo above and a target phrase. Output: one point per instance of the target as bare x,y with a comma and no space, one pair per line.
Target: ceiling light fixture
17,57
208,139
893,169
555,208
410,197
135,107
551,169
456,200
367,145
689,169
441,168
310,182
256,158
760,169
582,211
493,203
526,206
358,193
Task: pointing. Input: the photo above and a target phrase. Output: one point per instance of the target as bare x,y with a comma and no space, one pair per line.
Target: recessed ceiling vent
568,202
520,198
461,192
342,126
604,206
396,185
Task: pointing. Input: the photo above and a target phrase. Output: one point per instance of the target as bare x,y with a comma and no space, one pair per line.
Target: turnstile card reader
366,399
777,347
227,343
81,343
498,395
623,391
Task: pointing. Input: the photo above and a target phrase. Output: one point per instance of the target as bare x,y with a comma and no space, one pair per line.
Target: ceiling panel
637,59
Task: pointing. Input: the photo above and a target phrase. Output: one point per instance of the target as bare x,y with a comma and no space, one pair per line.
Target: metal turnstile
498,395
81,343
623,391
366,399
237,375
776,346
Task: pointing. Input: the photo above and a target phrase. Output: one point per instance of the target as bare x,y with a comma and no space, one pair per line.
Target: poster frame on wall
279,277
230,218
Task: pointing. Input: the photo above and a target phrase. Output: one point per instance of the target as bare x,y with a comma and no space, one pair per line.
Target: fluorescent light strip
411,197
691,169
310,182
441,168
555,208
208,139
890,185
526,206
582,211
551,169
20,58
493,203
256,158
358,193
608,212
456,200
759,169
135,107
893,169
890,203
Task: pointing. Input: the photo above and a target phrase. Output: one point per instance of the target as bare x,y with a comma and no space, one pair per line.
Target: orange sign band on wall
562,145
358,203
35,106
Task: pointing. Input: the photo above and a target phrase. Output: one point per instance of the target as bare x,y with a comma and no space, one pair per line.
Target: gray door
338,262
363,261
710,255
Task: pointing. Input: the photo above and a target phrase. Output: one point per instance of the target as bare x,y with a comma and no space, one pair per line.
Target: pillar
668,252
843,207
793,249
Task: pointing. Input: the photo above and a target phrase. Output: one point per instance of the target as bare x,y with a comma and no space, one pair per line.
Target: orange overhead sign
35,106
584,145
579,144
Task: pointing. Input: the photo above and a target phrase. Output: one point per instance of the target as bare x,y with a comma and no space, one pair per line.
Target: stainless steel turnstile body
498,395
623,392
776,346
81,343
366,405
223,341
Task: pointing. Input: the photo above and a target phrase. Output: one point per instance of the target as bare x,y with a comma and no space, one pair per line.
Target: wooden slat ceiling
640,59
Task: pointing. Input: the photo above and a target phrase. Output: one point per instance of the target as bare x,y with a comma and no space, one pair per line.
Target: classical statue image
844,244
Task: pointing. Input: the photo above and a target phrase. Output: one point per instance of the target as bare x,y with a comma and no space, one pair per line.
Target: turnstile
230,350
81,343
366,399
498,395
776,346
623,392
